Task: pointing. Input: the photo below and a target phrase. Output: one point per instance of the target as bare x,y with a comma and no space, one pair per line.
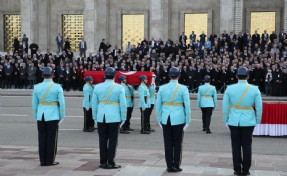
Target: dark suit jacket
182,38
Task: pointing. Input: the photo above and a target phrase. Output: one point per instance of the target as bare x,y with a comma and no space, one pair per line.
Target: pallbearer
144,104
88,94
206,100
173,115
129,91
151,89
239,102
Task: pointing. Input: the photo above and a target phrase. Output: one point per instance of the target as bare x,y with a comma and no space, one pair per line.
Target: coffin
132,76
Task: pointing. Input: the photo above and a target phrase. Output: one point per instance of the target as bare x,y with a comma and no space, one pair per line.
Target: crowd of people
218,56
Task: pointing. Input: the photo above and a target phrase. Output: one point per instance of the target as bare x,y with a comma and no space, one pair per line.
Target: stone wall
41,19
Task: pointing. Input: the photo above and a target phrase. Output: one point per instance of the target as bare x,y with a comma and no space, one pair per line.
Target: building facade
120,21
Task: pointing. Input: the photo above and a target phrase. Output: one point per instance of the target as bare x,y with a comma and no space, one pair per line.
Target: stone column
102,22
226,15
43,25
156,19
89,25
238,16
285,15
29,19
2,31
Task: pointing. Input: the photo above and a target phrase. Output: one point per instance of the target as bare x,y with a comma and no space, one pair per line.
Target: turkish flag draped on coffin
132,76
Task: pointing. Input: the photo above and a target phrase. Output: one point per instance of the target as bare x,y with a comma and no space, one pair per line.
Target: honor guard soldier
88,94
109,110
151,89
206,100
48,105
144,104
129,92
173,115
239,102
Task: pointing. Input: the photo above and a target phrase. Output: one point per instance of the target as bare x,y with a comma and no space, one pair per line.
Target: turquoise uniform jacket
178,109
144,96
206,96
109,101
53,106
243,114
152,94
129,91
88,94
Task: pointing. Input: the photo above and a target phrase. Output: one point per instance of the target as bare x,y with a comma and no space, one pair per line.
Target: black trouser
144,119
23,83
241,138
88,119
149,114
108,138
206,117
8,81
173,136
129,116
48,138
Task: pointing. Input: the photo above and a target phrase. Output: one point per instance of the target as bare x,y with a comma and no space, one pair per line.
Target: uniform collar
207,83
242,81
109,80
173,81
48,80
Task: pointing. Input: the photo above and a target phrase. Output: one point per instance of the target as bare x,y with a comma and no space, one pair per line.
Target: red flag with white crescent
132,76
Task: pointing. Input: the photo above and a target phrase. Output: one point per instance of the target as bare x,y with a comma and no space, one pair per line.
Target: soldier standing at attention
48,105
109,110
238,108
151,89
144,104
88,94
173,115
206,100
129,92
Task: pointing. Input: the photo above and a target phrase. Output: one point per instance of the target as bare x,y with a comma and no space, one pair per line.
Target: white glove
185,126
160,125
87,108
226,124
61,121
123,122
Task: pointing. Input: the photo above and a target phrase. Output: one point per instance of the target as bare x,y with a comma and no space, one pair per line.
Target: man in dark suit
116,51
83,47
281,36
273,37
103,46
264,38
34,48
255,38
182,38
192,37
212,37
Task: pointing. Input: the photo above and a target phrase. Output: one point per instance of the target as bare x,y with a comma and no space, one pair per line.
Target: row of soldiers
146,104
107,104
